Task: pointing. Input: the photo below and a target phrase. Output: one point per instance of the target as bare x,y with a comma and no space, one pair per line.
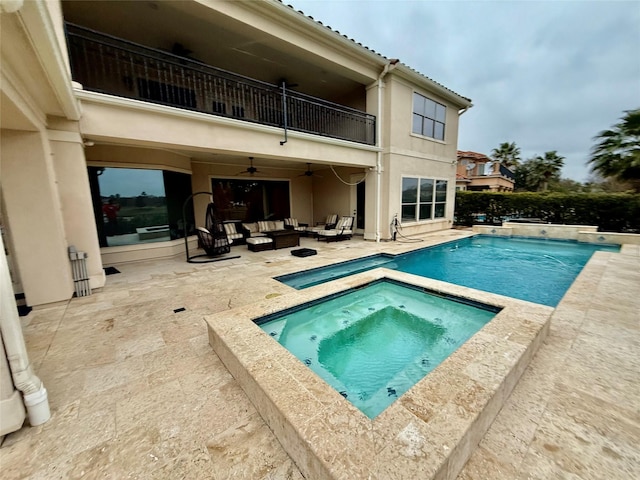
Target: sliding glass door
250,200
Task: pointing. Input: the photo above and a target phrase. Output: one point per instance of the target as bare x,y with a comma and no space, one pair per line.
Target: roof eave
326,33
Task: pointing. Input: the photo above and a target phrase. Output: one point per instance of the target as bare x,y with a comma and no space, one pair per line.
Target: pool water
535,270
374,343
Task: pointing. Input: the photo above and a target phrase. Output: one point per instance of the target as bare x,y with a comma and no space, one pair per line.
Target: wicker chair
213,238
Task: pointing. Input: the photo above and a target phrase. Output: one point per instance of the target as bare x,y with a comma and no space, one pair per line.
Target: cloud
547,75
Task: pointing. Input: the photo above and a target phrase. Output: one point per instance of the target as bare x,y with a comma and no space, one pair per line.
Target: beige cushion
327,233
252,227
342,223
263,226
259,240
278,225
230,228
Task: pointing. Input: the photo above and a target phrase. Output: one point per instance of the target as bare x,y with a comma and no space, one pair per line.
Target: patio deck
137,392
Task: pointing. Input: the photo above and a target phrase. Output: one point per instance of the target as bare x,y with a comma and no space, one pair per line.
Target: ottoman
259,244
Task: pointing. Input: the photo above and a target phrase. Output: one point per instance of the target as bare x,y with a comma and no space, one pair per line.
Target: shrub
611,212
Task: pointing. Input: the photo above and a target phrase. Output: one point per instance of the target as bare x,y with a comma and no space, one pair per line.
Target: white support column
34,217
75,197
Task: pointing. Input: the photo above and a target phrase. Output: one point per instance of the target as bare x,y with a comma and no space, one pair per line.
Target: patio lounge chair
342,231
329,223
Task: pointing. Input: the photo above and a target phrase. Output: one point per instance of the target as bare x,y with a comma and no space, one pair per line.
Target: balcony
506,173
105,64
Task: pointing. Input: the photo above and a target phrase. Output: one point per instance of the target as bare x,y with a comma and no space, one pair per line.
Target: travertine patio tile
505,446
134,453
245,450
612,385
146,343
540,466
208,416
618,353
172,410
187,460
90,402
608,323
102,378
579,447
484,465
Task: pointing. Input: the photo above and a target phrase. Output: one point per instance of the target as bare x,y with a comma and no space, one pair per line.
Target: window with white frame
428,117
423,199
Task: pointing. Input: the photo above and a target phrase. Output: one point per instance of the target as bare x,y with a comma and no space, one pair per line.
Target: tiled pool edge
430,431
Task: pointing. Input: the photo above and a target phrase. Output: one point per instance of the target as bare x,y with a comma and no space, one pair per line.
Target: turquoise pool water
536,270
372,344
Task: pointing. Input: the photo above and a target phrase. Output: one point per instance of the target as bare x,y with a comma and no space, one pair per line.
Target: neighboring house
478,172
114,113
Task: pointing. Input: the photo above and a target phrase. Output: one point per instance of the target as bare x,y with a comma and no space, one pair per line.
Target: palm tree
617,155
547,168
508,154
528,175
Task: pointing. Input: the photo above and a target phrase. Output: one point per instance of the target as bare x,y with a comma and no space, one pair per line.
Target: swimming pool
529,269
372,344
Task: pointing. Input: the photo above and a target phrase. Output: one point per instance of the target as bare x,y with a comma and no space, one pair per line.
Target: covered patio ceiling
240,160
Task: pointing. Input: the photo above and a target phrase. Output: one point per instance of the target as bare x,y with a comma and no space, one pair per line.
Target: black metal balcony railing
106,64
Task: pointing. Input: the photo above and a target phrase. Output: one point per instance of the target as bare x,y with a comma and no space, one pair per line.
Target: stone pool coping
429,432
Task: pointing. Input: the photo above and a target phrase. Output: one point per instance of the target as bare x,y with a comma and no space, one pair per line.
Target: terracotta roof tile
473,155
371,50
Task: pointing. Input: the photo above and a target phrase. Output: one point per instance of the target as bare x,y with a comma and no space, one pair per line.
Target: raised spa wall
428,433
581,233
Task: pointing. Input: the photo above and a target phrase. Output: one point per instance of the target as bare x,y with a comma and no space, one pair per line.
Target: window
139,205
428,117
423,199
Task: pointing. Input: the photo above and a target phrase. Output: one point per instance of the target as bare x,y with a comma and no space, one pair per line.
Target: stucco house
114,113
478,172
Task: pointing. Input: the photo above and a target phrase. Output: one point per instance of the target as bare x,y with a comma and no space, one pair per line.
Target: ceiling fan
250,170
309,172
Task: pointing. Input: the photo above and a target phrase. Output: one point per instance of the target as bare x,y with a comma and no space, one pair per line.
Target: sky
131,182
547,75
